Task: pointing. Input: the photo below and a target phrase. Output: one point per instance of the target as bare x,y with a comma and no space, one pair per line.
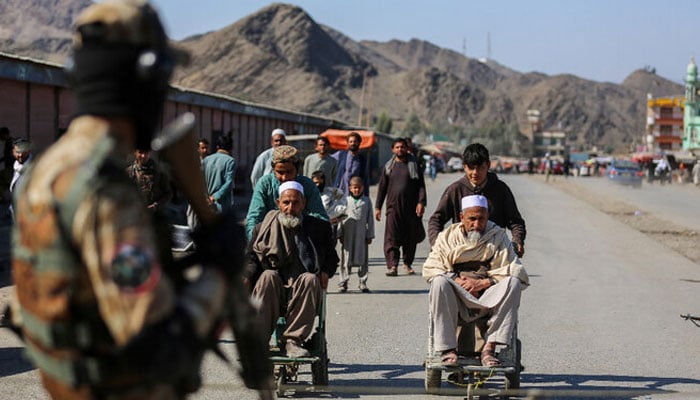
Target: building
664,128
38,104
691,116
552,141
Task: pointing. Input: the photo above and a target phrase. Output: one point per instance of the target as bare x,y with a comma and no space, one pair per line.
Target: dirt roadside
678,238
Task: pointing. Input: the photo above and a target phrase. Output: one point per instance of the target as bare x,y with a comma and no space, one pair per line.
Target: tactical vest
60,317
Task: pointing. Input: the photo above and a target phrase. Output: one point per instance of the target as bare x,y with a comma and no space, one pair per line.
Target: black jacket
502,207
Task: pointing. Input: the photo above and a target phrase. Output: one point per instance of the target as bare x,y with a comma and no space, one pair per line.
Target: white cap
290,185
475,200
278,131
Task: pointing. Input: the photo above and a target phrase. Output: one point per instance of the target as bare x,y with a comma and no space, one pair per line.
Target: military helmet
132,22
122,63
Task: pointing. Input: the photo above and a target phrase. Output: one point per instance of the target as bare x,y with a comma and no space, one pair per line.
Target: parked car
625,172
455,164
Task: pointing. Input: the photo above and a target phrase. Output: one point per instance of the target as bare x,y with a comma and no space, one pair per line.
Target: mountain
282,57
38,28
278,56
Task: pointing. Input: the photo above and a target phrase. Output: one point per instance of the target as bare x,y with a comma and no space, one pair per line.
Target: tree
384,123
413,126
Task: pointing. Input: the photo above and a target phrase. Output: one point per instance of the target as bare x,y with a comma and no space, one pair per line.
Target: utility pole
362,99
369,102
488,45
464,47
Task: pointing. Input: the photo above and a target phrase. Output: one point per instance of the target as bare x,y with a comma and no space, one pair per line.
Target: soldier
100,315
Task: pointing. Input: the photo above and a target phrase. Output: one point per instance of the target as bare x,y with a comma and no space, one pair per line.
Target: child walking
355,234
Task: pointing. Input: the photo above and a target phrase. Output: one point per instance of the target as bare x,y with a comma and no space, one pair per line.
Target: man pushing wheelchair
474,272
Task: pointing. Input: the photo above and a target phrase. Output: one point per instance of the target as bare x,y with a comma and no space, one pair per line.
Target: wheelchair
469,372
286,368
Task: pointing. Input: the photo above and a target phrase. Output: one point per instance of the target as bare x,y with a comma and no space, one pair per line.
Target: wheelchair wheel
281,380
433,378
513,380
319,369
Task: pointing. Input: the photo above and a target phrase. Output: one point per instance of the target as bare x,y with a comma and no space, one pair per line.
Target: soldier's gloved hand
222,243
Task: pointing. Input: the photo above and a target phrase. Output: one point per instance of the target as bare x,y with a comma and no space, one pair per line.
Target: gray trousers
362,273
449,302
298,299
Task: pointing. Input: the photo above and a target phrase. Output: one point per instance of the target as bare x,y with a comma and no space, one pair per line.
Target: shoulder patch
134,269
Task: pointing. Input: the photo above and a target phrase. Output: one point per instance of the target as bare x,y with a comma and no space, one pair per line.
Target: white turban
278,131
290,185
475,200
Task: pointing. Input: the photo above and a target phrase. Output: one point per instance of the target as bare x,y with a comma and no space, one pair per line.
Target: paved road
676,203
601,318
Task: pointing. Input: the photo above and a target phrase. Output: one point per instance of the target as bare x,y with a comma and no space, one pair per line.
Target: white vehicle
454,164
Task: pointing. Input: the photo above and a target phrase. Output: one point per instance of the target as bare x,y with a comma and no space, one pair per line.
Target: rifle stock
177,145
224,245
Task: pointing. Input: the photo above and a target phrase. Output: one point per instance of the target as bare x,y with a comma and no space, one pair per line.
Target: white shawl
451,247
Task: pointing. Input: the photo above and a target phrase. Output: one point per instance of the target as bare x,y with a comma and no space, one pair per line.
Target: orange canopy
339,141
645,157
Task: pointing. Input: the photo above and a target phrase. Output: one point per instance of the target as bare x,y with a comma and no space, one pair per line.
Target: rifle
221,242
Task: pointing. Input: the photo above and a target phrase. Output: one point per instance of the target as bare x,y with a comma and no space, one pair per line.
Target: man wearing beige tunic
474,272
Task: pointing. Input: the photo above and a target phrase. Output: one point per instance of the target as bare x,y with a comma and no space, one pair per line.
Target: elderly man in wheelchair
290,258
473,273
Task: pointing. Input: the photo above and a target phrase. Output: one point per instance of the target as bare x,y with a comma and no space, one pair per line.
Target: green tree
384,123
500,139
413,126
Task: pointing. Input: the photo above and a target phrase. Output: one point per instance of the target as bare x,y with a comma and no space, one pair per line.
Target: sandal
488,359
449,358
409,270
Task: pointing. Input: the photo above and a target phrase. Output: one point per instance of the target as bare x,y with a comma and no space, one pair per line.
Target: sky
601,40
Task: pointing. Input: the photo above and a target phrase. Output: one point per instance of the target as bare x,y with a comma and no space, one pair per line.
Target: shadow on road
613,387
380,261
12,361
387,291
566,387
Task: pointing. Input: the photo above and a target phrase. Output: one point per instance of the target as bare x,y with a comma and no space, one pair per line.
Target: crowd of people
98,301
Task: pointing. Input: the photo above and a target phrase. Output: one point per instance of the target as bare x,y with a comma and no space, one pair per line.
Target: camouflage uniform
153,183
99,315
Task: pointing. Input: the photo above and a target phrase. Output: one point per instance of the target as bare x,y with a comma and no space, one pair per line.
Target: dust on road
681,239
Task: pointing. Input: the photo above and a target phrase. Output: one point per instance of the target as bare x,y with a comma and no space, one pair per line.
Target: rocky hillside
38,28
281,56
317,69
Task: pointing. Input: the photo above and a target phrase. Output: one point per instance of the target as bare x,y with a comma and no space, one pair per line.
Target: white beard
289,221
473,237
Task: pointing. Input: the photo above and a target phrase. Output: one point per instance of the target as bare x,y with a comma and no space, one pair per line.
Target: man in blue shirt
219,172
351,163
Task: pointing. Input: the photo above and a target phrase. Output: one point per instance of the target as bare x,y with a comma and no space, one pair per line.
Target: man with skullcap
263,165
474,272
291,256
286,165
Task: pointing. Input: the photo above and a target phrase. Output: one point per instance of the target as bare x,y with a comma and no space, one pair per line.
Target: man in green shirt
285,163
